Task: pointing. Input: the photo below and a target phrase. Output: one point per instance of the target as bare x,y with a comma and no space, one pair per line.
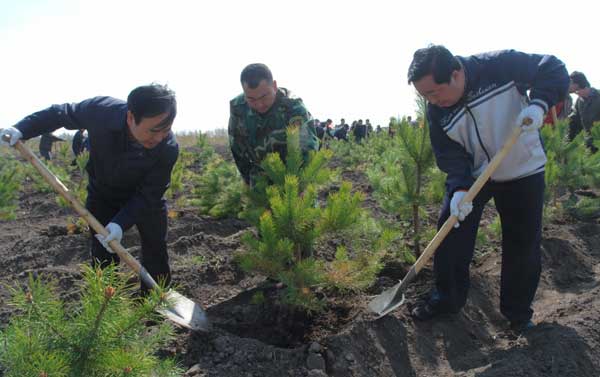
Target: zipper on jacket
477,132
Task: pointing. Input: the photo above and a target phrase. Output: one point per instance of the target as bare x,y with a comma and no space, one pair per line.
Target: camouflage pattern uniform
252,135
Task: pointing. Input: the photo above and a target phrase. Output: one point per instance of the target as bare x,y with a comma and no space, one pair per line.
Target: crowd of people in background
581,115
341,131
358,129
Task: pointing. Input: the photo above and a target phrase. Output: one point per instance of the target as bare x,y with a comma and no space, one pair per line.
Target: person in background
586,110
46,142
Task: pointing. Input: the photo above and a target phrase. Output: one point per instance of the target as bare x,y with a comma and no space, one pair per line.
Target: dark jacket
466,136
586,111
79,143
120,171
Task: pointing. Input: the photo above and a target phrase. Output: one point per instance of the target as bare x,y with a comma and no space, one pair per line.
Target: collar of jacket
467,86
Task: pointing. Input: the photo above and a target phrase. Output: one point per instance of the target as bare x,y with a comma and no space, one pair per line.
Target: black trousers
152,228
46,154
520,205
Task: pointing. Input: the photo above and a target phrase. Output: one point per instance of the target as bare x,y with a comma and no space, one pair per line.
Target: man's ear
130,119
275,84
455,75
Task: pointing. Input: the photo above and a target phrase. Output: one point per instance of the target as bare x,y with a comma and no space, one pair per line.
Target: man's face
261,98
145,131
581,92
573,88
443,95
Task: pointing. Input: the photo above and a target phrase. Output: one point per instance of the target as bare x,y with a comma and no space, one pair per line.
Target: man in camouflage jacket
259,118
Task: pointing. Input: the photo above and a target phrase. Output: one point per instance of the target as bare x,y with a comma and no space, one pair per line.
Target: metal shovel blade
387,301
185,312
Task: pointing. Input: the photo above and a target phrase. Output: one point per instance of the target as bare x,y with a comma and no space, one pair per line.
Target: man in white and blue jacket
474,103
132,154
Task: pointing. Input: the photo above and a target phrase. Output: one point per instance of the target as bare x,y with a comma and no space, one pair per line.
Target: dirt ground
263,339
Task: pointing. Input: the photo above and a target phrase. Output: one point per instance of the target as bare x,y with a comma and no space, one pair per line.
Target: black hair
151,100
579,79
253,74
436,60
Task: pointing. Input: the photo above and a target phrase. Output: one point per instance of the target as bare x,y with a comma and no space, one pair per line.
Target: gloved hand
114,233
535,114
461,211
11,132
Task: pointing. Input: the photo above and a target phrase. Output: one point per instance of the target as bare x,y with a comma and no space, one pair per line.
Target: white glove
114,233
13,134
460,210
533,113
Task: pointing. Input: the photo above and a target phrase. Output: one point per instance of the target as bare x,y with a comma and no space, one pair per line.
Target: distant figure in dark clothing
586,110
341,133
342,124
360,131
79,142
320,131
391,129
369,127
46,142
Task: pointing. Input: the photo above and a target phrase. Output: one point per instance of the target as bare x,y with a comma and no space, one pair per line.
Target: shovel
183,312
394,297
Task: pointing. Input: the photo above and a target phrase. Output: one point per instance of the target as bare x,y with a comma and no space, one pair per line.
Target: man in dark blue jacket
79,143
132,153
474,103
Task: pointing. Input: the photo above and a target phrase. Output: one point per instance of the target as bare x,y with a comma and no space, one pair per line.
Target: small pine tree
180,174
399,177
218,190
63,154
103,335
291,221
79,189
205,151
569,162
39,183
592,166
586,209
9,188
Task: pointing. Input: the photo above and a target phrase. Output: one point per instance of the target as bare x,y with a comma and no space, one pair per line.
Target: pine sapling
103,334
218,190
9,188
399,177
291,221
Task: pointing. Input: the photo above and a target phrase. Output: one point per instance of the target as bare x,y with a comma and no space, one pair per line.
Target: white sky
343,58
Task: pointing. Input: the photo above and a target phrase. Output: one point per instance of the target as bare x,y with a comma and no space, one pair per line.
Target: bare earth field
265,339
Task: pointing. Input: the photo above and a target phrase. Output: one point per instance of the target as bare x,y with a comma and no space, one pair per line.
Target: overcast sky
343,58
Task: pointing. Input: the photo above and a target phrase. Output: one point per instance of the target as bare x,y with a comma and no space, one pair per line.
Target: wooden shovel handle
83,212
469,196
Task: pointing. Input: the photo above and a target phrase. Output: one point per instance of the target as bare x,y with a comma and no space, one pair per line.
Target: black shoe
521,326
426,311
